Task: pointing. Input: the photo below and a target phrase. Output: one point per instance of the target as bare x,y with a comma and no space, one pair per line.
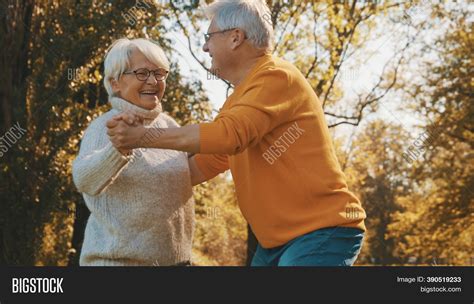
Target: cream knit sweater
142,210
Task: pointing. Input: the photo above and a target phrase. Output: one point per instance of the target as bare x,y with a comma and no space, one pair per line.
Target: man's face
218,48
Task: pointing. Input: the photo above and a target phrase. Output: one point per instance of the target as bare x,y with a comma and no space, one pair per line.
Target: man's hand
125,132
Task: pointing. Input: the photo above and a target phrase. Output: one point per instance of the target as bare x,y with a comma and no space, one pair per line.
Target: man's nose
205,48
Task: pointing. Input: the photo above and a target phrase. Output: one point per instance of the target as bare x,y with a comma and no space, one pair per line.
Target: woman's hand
129,118
125,131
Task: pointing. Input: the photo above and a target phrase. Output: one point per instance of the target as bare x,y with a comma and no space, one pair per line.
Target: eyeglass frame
149,72
207,36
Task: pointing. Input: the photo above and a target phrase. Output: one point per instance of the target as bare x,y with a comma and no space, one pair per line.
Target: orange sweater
272,134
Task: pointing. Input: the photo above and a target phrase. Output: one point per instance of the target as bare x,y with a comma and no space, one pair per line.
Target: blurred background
395,79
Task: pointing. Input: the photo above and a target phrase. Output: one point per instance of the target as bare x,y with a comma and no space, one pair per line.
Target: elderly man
272,135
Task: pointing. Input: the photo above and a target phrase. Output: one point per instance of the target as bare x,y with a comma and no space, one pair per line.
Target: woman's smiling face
144,94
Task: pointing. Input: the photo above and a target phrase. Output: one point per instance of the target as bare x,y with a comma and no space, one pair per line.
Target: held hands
125,131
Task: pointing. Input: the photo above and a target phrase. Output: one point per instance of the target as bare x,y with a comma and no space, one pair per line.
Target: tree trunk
80,221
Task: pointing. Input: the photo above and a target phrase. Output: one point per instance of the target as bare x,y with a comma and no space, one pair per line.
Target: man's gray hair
252,16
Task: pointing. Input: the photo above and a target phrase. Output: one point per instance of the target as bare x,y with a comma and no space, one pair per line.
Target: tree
376,172
221,230
438,225
52,88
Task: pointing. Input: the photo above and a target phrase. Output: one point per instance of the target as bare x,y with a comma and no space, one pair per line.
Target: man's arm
182,139
126,132
242,125
124,128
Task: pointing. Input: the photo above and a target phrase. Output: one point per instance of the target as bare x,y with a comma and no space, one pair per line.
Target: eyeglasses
144,74
207,36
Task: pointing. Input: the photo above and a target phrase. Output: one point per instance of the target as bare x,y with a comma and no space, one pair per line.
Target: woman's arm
98,162
197,177
206,166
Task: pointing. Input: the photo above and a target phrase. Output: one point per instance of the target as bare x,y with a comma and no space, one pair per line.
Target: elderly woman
142,210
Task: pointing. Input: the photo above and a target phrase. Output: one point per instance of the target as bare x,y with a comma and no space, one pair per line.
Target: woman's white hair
118,56
252,16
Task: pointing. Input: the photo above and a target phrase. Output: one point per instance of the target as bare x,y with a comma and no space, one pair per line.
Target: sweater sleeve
98,162
246,121
170,122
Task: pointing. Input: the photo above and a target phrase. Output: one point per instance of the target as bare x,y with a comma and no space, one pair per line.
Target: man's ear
115,85
237,38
